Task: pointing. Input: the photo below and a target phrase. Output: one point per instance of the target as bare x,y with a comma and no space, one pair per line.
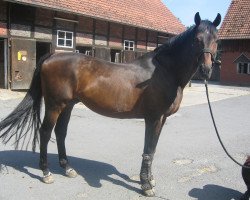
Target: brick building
117,31
235,43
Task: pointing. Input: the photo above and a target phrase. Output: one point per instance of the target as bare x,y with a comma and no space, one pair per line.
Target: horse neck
144,58
181,61
187,64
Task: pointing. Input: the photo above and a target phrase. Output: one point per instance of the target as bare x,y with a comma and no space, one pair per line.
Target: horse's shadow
92,171
209,192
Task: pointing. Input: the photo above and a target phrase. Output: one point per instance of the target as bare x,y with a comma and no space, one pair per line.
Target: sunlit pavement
189,162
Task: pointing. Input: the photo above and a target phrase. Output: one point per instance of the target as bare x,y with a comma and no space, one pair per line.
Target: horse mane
176,42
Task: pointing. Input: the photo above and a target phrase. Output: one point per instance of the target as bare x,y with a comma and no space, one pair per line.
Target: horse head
205,41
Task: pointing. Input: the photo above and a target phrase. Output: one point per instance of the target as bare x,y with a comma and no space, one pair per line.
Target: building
235,43
117,31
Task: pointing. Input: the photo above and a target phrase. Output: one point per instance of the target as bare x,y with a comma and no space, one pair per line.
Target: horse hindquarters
58,86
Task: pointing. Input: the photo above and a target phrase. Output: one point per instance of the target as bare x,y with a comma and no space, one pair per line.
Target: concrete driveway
189,162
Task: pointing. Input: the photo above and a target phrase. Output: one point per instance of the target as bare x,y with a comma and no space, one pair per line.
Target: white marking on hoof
152,183
149,193
71,173
48,179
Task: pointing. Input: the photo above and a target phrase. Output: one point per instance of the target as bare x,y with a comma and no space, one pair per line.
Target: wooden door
23,62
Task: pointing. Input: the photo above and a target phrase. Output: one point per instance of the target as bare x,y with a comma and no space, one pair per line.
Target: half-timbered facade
117,32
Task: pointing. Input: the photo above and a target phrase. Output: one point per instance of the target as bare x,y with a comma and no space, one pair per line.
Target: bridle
207,50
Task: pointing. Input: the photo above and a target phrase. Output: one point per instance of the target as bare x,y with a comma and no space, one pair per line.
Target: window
129,45
243,68
64,39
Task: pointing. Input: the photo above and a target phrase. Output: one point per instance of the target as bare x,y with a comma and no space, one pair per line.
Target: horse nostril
205,71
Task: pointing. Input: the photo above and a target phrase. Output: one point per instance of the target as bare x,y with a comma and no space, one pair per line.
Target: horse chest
174,107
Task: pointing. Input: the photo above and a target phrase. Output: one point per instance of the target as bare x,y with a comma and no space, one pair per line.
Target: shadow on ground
92,171
209,192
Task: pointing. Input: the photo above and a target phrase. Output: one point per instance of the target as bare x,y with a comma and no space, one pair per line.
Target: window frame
242,63
65,39
129,47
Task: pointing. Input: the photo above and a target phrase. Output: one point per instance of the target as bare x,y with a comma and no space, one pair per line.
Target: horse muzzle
205,71
205,68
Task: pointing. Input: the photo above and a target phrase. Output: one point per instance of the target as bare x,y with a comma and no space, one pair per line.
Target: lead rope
216,130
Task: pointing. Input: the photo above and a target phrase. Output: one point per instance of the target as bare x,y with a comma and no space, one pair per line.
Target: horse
150,87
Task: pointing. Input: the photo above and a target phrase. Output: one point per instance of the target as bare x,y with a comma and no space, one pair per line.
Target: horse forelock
207,25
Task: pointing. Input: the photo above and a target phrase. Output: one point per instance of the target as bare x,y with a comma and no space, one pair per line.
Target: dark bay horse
151,87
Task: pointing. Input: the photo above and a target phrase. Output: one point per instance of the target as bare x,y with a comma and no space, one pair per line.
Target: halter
207,50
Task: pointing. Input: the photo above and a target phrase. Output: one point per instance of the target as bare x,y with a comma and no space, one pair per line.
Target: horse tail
26,116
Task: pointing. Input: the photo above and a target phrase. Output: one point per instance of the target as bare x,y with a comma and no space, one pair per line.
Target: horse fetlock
149,193
148,183
152,183
43,166
148,190
147,186
63,163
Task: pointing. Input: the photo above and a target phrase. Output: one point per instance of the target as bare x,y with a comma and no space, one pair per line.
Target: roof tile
236,24
149,14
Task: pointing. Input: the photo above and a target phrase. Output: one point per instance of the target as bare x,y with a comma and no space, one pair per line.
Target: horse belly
112,98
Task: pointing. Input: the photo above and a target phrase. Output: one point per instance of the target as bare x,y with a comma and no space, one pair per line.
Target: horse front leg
152,133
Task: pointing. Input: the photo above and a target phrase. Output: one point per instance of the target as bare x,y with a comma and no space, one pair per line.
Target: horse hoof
48,179
149,193
152,183
71,173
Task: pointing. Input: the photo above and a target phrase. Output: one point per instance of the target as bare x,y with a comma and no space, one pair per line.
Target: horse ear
197,19
217,20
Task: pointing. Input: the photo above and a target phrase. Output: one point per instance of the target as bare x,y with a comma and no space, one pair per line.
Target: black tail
26,116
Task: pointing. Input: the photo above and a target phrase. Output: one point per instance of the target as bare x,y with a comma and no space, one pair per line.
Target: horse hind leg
61,132
49,121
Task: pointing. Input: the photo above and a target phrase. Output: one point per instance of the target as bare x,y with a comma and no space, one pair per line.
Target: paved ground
189,163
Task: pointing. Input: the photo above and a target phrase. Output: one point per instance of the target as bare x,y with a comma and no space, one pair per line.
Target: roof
236,24
148,14
242,58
